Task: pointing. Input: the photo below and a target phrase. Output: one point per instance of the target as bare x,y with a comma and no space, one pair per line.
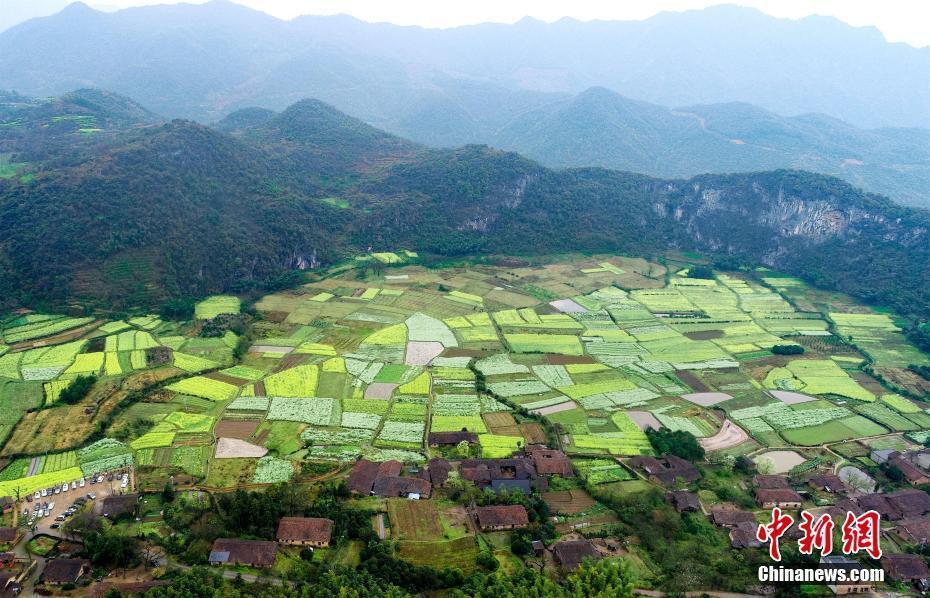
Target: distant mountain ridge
601,128
152,212
203,61
550,91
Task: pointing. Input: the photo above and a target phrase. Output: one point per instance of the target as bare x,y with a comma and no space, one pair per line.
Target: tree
610,578
109,548
787,349
487,560
679,443
77,390
893,472
704,272
168,493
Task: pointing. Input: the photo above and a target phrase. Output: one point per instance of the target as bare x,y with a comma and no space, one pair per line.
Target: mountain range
119,213
549,91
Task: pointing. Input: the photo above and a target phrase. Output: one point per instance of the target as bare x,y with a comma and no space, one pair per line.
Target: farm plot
217,305
601,471
563,344
206,388
300,381
569,502
401,433
816,376
456,423
192,363
497,447
271,470
318,411
191,459
414,520
104,455
236,428
425,328
234,448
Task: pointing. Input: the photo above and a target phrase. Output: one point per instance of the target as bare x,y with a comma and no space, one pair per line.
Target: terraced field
348,367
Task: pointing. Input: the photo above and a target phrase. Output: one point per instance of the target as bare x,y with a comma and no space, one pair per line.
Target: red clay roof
7,534
304,529
363,476
502,515
551,462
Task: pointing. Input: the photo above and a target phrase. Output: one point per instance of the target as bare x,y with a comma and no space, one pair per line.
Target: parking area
51,511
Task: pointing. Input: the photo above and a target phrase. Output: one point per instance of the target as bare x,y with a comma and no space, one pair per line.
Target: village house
483,472
501,517
253,553
667,470
571,553
909,502
7,503
770,482
62,571
744,536
912,474
364,474
395,487
785,498
437,472
908,568
914,531
9,536
550,462
880,456
828,482
847,587
731,517
686,502
878,503
437,439
114,507
305,531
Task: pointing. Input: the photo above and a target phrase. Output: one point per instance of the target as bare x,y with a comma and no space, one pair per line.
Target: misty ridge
724,89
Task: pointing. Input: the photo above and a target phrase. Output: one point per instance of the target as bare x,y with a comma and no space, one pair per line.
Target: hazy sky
899,20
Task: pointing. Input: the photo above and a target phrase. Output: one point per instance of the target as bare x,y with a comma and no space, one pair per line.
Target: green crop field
217,305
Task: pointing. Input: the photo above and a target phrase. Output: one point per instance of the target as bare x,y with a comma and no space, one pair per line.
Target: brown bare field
63,337
568,502
501,419
533,433
414,520
905,379
691,379
553,359
227,379
240,429
704,335
68,426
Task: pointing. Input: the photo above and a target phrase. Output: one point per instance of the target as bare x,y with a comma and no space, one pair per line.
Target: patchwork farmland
351,367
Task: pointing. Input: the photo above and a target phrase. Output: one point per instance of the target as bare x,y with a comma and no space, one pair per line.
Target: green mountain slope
179,209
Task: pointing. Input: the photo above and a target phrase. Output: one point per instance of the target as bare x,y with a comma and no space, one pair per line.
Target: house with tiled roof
305,531
501,517
253,553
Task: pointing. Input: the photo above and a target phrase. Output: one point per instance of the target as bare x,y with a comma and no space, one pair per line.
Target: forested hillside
178,209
